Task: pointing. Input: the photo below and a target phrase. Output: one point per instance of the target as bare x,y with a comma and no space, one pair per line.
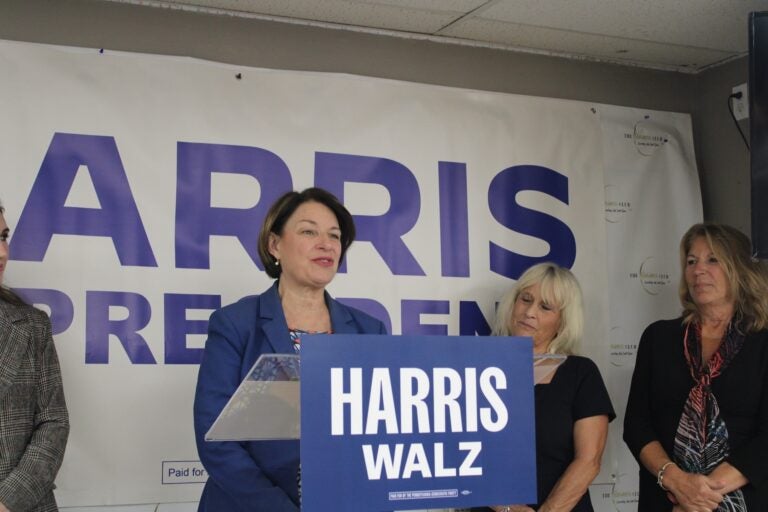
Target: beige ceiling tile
432,5
667,34
409,16
716,24
614,49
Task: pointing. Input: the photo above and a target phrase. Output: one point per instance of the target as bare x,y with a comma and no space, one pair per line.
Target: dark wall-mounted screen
758,122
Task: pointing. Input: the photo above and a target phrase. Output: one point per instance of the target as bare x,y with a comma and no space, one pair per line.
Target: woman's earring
277,262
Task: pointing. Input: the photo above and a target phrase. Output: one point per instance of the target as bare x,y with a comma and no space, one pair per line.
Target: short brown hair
283,208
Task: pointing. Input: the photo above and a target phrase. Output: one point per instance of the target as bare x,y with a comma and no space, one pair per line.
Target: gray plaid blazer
34,424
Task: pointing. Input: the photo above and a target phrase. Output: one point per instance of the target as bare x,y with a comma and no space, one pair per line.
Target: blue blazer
252,476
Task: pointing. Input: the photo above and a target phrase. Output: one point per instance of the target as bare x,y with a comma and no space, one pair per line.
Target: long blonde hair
559,288
747,277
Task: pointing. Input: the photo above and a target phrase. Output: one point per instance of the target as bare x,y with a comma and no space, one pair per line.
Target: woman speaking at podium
572,405
303,240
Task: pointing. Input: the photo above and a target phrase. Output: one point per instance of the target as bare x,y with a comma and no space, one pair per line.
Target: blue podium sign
416,422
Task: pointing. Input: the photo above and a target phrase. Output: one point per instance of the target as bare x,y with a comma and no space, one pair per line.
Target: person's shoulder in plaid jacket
34,423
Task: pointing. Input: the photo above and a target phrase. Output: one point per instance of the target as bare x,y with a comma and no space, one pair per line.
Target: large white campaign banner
652,197
135,187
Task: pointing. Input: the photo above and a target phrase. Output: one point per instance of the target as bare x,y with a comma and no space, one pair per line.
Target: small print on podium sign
416,422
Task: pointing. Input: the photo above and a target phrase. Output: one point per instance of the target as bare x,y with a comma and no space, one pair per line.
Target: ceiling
678,35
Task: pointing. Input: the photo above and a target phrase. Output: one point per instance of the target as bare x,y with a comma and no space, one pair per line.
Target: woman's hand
693,492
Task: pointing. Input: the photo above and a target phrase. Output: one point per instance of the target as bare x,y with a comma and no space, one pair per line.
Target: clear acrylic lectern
266,405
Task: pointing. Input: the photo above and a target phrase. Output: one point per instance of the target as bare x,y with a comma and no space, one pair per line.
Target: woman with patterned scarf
697,413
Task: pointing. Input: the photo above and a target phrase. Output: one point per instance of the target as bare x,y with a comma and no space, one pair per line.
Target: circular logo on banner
652,279
621,353
625,493
616,207
647,137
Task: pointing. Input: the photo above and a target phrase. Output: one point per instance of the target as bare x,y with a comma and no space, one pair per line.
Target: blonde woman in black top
573,408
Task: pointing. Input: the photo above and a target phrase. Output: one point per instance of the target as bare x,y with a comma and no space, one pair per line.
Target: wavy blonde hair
559,288
747,277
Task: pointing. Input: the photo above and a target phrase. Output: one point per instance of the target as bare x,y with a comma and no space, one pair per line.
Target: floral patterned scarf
701,441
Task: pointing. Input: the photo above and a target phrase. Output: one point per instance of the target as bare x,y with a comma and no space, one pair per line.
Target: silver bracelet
660,474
